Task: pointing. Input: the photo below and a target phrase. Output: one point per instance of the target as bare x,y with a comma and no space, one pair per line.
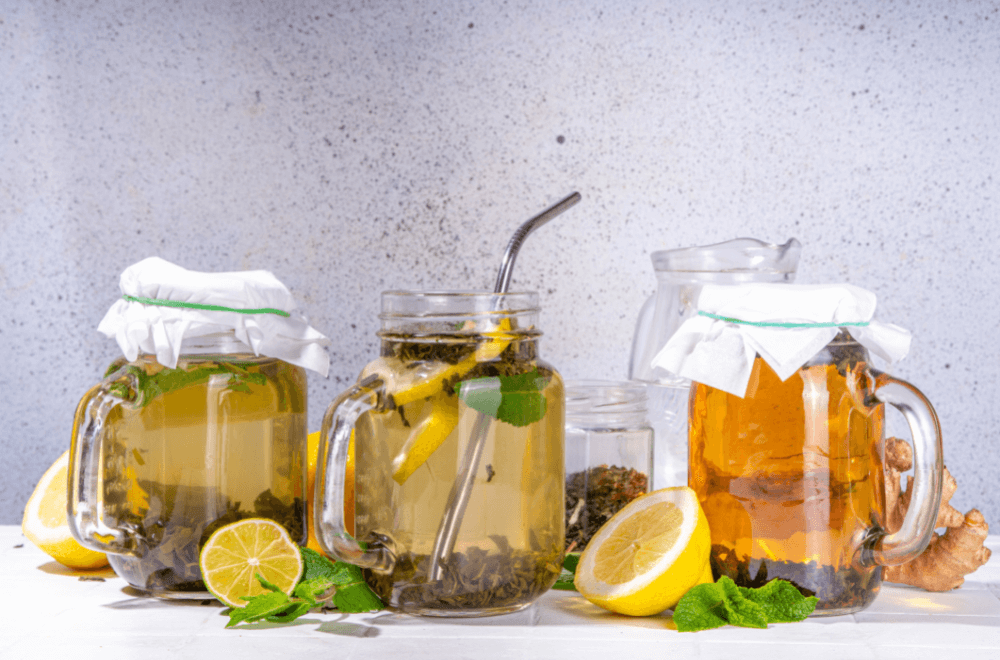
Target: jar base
462,614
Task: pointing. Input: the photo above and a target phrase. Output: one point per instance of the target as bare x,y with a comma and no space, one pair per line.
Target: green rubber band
210,308
776,324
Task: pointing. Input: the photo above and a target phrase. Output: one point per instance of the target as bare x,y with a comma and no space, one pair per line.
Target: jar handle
331,477
918,526
85,511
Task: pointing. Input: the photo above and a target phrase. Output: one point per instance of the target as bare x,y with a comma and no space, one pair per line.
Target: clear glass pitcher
458,396
162,457
791,476
680,275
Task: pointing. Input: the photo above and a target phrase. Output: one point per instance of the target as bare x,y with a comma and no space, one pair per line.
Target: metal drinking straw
458,498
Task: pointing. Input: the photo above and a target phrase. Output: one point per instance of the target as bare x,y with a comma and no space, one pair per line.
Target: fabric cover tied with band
786,324
163,305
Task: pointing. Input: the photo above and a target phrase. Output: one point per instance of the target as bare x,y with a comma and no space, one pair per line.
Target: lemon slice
45,523
409,382
425,438
234,554
312,455
647,555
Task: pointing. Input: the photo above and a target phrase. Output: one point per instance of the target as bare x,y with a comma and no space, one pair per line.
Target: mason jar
458,435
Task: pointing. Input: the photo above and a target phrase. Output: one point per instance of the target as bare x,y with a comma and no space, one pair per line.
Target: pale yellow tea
509,546
211,442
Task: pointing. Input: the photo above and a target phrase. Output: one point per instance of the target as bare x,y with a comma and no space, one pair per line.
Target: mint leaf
709,606
357,597
741,610
353,593
259,607
516,400
701,608
568,574
781,601
481,394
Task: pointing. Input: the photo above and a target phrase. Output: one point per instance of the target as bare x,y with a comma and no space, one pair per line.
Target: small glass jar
609,454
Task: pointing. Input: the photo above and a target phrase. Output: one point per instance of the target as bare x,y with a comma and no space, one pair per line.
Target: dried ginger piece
949,557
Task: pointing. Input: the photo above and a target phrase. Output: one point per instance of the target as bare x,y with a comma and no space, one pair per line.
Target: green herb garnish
516,400
319,577
565,579
708,606
150,386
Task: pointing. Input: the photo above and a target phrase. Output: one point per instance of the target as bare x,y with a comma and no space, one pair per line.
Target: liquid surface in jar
215,442
790,479
509,545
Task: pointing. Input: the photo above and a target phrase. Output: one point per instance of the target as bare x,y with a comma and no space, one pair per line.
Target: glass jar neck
413,315
606,404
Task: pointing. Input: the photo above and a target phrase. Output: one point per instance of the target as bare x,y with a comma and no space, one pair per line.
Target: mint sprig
321,575
713,605
168,380
566,577
516,400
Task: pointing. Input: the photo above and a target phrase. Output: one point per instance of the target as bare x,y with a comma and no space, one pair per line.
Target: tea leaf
717,604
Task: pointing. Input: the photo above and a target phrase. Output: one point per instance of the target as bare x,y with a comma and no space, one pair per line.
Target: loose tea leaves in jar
593,496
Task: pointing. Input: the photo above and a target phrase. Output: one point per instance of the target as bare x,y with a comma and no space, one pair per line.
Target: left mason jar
201,423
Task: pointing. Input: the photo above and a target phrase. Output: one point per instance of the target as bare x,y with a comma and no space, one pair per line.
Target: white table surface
47,612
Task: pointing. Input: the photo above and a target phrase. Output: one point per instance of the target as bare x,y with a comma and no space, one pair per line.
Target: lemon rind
685,499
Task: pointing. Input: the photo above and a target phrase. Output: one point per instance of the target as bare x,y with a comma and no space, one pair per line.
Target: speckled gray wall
351,147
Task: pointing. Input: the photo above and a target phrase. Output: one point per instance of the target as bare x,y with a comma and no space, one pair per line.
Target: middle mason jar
458,406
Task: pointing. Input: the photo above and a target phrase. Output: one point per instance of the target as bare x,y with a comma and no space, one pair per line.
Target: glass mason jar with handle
200,424
787,438
792,478
458,393
162,457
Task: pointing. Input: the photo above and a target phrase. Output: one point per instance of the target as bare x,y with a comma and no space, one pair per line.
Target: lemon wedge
425,438
234,554
410,382
45,523
647,555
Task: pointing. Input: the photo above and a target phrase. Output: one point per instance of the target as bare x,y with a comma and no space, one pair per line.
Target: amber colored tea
212,442
510,542
790,478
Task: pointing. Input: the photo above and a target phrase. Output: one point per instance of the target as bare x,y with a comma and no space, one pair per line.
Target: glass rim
428,304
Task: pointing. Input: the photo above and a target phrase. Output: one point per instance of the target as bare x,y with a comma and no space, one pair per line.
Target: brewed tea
509,546
210,443
789,477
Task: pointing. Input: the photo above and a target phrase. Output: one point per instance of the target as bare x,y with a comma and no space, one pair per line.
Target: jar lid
786,324
164,305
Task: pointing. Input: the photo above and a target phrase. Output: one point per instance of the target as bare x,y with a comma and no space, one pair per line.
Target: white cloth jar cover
163,304
786,324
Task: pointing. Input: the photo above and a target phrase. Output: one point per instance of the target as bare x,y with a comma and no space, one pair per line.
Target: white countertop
47,612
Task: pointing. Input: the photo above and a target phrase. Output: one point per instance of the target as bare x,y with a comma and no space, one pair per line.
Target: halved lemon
234,554
45,523
647,555
312,455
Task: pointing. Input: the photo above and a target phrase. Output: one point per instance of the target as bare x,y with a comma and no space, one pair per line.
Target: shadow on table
55,568
140,600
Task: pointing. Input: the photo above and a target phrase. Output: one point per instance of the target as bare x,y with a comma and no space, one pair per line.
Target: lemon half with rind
647,555
46,524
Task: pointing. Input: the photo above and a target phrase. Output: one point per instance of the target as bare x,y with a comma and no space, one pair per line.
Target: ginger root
949,557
